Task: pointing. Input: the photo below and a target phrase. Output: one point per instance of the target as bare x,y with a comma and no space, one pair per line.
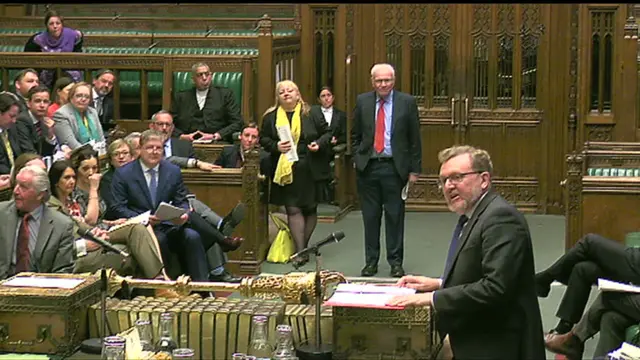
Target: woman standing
295,183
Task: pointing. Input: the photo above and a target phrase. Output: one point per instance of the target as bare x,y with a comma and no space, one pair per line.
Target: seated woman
136,237
56,38
76,122
60,94
119,153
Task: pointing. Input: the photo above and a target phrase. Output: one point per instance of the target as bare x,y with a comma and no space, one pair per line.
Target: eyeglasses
455,179
82,96
120,153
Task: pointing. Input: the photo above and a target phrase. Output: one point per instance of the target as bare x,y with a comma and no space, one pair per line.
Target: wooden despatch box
367,334
46,320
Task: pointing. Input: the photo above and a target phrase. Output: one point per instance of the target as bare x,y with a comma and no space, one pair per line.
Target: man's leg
370,195
192,253
624,312
210,234
393,217
142,248
576,295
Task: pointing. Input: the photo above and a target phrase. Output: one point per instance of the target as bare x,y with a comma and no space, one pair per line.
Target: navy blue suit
131,197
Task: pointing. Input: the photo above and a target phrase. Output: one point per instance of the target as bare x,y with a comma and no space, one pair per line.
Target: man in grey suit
387,154
34,238
485,301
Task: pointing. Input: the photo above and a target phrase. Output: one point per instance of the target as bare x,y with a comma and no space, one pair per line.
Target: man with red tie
33,237
387,153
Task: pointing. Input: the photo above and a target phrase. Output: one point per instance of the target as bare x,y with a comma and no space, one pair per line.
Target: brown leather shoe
565,344
230,243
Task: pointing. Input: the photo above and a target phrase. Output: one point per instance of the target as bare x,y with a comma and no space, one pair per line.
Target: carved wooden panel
599,132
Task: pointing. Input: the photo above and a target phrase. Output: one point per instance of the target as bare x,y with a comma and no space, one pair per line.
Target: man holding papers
485,301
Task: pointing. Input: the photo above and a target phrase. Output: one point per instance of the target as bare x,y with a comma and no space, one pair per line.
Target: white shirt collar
145,168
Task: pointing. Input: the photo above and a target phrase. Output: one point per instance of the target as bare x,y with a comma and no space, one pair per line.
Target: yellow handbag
283,246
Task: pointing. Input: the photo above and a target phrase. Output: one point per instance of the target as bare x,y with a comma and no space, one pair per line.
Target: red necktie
22,253
378,143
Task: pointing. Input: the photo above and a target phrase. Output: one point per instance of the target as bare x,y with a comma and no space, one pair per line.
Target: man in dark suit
34,238
24,81
611,313
35,125
140,186
12,144
387,153
486,301
591,258
103,99
232,156
205,111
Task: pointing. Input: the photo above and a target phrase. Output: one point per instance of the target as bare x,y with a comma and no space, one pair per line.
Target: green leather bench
622,172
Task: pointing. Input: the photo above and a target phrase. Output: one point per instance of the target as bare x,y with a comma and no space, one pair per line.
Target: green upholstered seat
632,335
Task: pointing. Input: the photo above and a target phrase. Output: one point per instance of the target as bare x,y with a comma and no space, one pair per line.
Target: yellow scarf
284,170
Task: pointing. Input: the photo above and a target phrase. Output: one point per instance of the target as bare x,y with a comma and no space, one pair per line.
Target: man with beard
24,81
206,112
485,301
102,101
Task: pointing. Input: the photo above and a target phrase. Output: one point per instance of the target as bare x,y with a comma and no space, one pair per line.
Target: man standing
34,237
102,100
35,125
485,301
387,153
206,112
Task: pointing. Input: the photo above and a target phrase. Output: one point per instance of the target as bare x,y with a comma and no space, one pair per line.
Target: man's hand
419,283
5,181
412,300
413,178
217,137
91,246
115,222
100,233
48,123
189,137
334,140
67,151
207,136
284,146
153,220
313,147
205,166
181,220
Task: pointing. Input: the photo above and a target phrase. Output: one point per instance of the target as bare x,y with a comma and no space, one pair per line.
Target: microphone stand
317,351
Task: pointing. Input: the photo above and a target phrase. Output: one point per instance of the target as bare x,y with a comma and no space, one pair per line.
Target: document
140,219
42,282
201,141
366,296
166,212
405,191
284,133
608,285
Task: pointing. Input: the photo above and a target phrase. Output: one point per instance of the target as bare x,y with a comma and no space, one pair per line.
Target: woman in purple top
57,38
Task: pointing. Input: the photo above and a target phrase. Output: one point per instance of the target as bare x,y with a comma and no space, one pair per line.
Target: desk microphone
86,233
333,237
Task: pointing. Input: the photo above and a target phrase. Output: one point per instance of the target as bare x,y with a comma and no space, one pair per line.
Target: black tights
302,222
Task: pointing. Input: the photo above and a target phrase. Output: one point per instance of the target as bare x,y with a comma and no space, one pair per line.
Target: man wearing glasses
485,301
206,112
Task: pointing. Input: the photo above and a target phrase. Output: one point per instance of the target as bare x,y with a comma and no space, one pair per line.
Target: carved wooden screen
323,44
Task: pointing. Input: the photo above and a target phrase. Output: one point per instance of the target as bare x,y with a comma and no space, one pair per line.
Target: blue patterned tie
454,244
153,185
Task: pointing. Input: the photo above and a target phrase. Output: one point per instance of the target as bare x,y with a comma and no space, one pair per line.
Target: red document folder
367,296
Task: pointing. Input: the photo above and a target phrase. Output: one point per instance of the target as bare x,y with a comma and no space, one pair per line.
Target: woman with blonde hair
295,182
77,123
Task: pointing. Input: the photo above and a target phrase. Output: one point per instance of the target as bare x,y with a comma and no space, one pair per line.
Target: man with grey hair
133,139
485,300
34,238
206,112
388,156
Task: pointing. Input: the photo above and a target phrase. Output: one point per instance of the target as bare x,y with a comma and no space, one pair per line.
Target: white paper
41,282
140,219
608,285
626,351
405,191
284,133
201,141
167,212
366,295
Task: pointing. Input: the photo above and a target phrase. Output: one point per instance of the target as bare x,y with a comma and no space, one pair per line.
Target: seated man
24,81
35,125
206,112
102,98
232,156
142,185
591,258
12,144
181,153
610,314
37,238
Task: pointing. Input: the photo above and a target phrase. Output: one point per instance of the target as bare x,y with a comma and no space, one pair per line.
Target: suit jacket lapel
162,180
44,233
470,224
370,114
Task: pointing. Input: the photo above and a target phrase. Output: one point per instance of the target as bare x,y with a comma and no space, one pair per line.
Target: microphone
85,231
333,237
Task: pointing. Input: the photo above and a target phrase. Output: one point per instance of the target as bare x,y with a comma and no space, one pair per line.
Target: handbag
282,247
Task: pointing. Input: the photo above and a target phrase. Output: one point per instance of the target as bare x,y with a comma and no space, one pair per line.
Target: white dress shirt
201,96
328,114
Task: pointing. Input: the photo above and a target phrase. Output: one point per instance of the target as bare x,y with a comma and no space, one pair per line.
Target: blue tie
454,244
153,186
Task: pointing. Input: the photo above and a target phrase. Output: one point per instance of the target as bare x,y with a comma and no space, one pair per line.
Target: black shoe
233,218
369,270
396,271
225,277
543,287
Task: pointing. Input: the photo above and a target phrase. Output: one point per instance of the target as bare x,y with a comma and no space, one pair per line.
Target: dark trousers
189,247
610,314
379,185
591,258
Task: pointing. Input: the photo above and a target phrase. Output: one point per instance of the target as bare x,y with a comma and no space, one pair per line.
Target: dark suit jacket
54,251
27,130
313,129
221,113
131,194
406,145
338,127
19,144
106,117
182,148
488,303
231,154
